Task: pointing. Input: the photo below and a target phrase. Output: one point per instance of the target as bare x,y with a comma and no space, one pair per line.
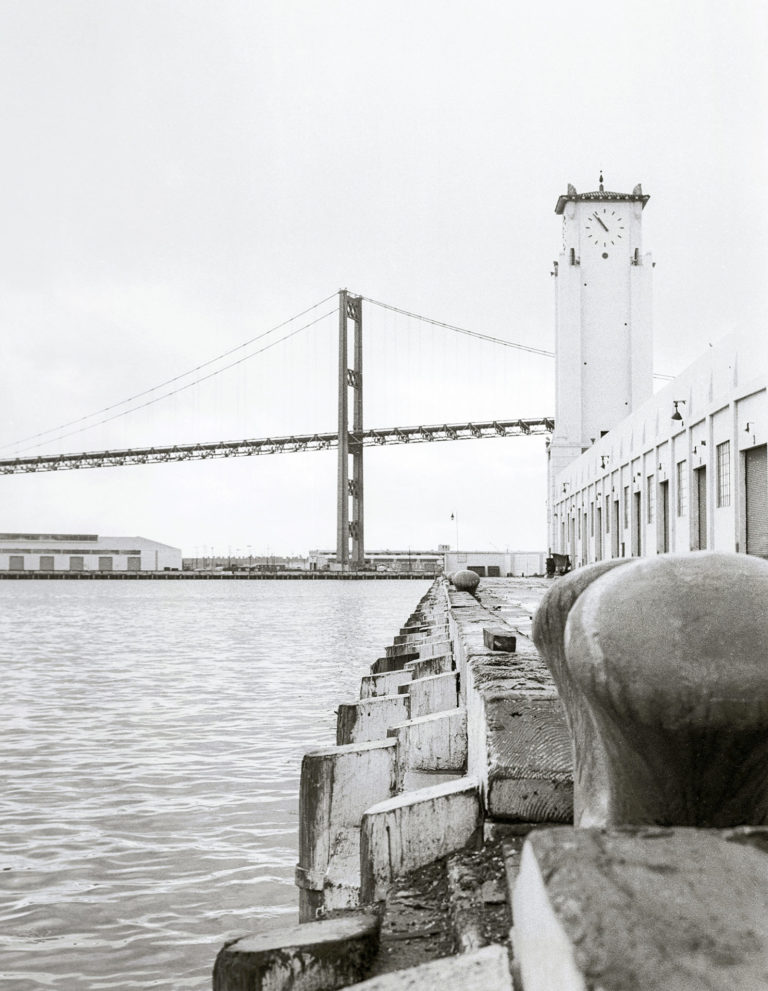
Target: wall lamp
749,427
677,415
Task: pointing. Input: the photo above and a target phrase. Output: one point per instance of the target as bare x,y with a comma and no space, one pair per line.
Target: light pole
455,516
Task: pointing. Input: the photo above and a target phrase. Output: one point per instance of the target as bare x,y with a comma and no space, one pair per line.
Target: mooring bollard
662,666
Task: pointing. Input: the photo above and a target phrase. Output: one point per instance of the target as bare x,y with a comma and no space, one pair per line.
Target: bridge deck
277,445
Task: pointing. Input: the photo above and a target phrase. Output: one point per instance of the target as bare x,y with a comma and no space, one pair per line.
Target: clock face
604,227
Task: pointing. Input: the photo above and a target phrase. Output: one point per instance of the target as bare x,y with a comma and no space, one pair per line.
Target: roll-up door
756,474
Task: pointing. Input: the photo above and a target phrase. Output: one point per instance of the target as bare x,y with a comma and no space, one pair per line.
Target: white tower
604,335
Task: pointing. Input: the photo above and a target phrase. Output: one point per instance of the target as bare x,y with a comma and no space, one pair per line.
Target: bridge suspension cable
460,330
181,388
177,378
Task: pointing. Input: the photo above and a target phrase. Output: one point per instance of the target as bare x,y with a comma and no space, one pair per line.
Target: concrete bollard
465,581
329,954
660,664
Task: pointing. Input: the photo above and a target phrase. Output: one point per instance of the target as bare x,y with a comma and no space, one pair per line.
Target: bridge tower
350,443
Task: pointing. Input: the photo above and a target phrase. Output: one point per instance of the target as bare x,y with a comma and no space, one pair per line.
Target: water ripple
151,754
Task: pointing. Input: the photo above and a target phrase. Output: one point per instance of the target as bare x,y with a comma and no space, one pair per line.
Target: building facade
85,552
682,470
496,564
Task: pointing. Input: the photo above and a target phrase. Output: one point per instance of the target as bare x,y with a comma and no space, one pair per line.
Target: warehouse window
724,473
105,564
75,564
46,562
16,562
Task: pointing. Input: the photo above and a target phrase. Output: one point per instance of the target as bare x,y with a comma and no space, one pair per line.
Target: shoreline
209,576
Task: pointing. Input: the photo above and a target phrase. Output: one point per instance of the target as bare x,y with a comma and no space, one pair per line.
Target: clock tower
603,337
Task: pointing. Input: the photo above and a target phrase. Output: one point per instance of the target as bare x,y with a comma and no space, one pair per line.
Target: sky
181,176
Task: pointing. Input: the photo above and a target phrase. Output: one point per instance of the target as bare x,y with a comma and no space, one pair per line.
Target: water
151,747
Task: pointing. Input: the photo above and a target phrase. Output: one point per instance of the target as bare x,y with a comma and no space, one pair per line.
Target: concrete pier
447,806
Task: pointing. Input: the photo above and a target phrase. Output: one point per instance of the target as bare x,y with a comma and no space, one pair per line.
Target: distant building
497,564
80,552
630,473
398,562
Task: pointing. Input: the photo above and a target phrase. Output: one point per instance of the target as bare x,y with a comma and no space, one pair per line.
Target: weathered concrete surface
370,718
484,969
646,908
433,693
518,741
430,665
337,785
418,646
328,954
436,742
414,829
388,683
426,632
661,664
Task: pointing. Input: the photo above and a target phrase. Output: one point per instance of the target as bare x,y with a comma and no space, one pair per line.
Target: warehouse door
700,494
756,472
598,534
637,541
664,510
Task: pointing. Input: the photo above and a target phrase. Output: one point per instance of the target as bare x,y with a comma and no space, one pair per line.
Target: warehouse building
84,552
632,473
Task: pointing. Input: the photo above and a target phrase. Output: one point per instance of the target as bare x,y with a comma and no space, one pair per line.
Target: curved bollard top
662,666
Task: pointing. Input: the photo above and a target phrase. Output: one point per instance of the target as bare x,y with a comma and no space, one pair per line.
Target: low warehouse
84,552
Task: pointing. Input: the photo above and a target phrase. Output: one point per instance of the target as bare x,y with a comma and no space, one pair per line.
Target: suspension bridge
350,439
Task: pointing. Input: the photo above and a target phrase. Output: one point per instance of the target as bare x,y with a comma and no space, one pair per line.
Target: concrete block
415,829
437,742
430,665
499,638
388,683
425,633
328,954
337,785
650,908
486,969
661,666
406,650
383,664
369,719
435,648
435,693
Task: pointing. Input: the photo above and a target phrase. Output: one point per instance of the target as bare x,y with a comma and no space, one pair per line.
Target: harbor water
151,744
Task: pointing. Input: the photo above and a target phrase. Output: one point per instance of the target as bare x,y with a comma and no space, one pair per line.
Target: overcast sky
179,177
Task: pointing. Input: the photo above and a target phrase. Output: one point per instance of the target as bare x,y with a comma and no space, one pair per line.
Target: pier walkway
437,841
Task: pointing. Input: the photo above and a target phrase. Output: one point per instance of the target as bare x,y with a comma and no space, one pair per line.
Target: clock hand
600,222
